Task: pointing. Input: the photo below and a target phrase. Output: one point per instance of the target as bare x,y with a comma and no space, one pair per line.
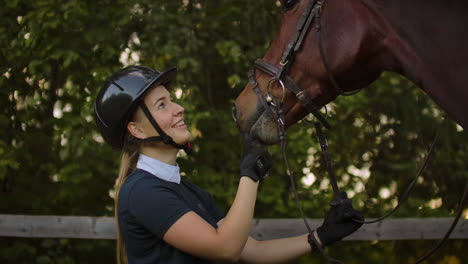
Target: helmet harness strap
162,135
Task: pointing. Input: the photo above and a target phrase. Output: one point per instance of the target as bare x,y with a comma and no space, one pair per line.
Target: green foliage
56,55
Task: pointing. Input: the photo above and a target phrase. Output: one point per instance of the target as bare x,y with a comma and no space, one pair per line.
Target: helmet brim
165,78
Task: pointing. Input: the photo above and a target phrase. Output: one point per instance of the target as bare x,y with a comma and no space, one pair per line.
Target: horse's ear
288,4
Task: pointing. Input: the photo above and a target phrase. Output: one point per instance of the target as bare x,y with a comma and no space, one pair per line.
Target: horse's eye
288,4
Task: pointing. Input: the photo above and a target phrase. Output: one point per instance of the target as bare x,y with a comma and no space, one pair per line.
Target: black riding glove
255,160
339,222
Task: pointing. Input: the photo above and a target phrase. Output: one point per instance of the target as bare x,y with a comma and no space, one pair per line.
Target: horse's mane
457,7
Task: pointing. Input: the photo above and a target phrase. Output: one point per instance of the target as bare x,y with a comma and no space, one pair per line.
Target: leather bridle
274,107
279,73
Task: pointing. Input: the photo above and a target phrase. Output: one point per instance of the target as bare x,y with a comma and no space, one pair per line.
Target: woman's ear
135,130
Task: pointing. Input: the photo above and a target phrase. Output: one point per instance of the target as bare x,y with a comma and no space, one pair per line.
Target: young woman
165,219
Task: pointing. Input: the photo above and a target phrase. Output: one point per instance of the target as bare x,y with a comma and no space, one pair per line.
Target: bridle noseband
274,107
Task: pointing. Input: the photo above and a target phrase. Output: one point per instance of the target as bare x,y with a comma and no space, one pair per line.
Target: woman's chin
184,139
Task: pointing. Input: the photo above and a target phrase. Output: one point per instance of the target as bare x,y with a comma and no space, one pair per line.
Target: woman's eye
162,106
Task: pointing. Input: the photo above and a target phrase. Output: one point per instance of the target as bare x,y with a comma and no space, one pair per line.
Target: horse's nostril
234,112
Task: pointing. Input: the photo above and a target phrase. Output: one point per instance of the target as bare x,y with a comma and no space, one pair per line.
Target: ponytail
127,166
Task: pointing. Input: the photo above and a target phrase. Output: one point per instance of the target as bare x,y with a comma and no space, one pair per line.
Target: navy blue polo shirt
149,205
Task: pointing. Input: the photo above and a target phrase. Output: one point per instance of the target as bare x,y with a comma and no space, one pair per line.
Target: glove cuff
315,242
253,178
259,169
324,237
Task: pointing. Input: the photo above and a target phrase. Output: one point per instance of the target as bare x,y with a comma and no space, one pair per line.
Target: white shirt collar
159,169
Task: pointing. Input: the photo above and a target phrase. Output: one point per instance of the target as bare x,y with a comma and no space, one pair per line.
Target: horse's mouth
265,129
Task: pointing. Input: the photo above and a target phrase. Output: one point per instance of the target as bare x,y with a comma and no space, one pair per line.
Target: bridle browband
274,108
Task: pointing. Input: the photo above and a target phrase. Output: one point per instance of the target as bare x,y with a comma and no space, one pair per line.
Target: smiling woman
156,210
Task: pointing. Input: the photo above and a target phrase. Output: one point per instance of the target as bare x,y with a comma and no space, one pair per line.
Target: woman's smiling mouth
179,124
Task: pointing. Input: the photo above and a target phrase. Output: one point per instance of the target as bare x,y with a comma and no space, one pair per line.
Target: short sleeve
214,209
208,201
156,207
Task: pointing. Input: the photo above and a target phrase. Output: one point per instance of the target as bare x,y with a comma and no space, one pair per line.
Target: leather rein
274,108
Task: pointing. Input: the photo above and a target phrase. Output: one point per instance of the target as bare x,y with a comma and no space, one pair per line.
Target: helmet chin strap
162,135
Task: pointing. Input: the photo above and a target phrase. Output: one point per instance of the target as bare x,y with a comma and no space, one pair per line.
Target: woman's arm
283,250
192,234
339,222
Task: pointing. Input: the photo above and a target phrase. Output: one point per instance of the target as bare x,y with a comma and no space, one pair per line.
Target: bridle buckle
269,97
284,63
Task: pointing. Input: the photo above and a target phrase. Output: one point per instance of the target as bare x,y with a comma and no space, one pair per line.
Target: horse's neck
419,29
428,41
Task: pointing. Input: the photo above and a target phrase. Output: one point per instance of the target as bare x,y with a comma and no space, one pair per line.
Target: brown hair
127,166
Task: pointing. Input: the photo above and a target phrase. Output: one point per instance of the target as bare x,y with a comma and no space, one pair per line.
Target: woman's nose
179,109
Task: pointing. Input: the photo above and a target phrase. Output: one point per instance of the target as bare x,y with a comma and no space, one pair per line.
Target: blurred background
55,56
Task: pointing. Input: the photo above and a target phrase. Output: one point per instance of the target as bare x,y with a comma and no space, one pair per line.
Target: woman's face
168,114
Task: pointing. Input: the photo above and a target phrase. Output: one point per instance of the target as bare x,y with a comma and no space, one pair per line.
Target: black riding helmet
120,96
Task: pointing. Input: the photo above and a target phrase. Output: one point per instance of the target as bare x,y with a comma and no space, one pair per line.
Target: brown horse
424,40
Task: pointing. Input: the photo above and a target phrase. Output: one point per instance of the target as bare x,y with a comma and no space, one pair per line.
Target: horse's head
350,46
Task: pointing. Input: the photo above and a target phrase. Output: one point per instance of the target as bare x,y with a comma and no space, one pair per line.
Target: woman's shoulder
197,189
140,179
141,187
